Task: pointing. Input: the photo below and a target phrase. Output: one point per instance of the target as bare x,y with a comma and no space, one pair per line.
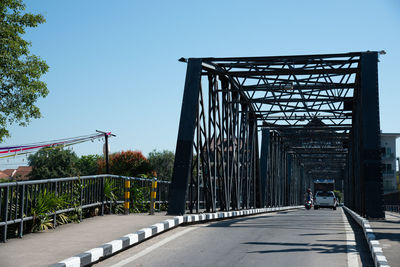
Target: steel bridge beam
184,145
264,164
370,142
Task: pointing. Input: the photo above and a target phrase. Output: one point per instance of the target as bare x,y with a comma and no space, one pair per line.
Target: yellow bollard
153,196
127,196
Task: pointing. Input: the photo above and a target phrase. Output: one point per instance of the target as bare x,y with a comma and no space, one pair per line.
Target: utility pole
106,154
106,149
106,135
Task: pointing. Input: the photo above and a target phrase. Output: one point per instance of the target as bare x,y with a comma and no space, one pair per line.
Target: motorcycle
308,205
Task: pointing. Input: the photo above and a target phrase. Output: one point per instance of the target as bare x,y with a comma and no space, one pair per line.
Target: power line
24,150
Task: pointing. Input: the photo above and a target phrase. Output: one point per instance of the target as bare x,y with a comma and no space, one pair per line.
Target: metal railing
389,172
19,201
388,156
392,208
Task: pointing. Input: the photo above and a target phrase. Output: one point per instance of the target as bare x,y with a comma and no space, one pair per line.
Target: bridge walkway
46,248
387,232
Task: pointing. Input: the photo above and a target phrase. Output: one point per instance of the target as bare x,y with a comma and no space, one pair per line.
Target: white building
388,143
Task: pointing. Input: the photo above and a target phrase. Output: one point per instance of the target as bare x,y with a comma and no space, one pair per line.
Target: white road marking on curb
352,253
180,219
96,253
133,238
116,245
72,262
171,223
147,232
160,227
153,247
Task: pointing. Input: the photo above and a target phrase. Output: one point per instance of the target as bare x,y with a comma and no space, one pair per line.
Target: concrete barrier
373,244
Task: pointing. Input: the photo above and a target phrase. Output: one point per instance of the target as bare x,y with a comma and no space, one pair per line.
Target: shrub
126,163
162,163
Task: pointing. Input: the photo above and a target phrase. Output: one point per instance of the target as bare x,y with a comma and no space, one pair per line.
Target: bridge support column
264,165
275,169
184,144
257,178
370,146
350,191
289,190
303,183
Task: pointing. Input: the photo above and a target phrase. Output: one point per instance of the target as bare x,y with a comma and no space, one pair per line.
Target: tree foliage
338,195
20,70
88,165
58,163
162,163
126,163
53,163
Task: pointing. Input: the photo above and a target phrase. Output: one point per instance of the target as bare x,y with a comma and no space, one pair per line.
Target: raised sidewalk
387,232
46,248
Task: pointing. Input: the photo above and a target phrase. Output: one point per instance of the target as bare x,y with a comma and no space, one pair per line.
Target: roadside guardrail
48,199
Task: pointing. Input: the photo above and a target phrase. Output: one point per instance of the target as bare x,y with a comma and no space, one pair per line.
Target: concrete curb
374,245
115,246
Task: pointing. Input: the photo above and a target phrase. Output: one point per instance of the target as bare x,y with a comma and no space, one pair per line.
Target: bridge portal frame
217,162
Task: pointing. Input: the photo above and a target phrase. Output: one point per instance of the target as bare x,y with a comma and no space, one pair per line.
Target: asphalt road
293,238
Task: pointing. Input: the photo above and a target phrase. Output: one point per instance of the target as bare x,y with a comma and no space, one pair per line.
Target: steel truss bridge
256,132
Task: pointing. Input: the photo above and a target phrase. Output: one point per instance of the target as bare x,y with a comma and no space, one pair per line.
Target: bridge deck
42,249
286,238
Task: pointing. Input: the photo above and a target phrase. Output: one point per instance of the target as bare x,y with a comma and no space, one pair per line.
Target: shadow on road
312,223
320,247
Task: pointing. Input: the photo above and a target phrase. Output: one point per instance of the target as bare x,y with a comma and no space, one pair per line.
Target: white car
325,199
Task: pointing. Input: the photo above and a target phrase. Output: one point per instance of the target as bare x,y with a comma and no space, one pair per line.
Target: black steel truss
319,115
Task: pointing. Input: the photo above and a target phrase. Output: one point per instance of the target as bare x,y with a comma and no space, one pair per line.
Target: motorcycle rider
308,195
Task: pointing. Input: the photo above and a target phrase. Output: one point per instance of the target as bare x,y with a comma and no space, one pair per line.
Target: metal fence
393,208
20,201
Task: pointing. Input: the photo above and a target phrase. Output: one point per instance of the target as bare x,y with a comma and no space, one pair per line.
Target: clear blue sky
113,64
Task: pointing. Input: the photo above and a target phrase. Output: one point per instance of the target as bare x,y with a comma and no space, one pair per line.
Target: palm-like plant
109,188
139,196
109,192
47,203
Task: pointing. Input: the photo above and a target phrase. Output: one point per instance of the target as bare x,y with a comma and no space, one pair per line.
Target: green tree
20,70
162,163
53,163
127,163
339,196
88,165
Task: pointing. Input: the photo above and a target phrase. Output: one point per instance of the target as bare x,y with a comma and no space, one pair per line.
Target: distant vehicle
324,185
325,199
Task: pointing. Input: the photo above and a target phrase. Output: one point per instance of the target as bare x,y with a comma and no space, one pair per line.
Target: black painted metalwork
319,117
